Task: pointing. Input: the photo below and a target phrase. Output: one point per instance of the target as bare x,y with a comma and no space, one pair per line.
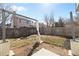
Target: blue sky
38,10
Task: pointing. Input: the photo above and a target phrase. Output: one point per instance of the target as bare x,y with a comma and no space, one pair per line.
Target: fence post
72,26
3,26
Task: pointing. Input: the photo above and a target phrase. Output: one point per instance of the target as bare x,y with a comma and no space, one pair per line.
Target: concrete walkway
44,52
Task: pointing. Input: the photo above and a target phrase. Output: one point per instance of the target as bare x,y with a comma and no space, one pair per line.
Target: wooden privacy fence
26,31
61,31
18,32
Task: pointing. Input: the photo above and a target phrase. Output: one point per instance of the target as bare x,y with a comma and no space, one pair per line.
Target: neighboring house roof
25,17
20,17
18,14
44,52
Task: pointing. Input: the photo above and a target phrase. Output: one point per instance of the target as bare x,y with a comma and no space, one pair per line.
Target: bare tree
46,20
61,23
3,16
51,20
6,6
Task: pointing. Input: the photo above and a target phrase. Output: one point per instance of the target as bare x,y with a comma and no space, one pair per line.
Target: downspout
38,32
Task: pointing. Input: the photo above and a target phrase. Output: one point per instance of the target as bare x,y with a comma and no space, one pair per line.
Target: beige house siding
22,22
15,21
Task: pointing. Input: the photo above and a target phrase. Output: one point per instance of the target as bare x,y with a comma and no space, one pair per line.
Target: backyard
22,46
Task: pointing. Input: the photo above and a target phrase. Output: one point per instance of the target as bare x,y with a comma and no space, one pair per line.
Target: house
17,21
22,21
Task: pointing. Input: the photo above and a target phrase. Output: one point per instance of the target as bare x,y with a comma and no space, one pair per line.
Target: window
27,21
20,20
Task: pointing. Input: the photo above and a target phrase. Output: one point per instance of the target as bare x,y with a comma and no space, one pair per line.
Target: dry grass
15,43
53,40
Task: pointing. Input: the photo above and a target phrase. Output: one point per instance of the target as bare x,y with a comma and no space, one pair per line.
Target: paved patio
44,52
